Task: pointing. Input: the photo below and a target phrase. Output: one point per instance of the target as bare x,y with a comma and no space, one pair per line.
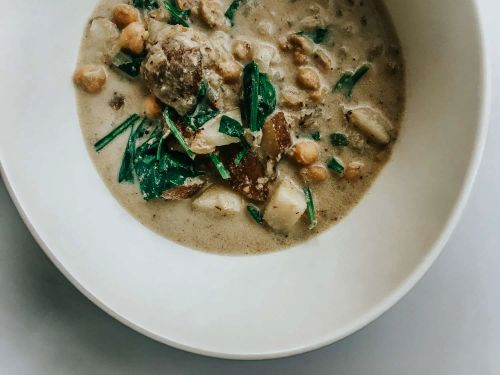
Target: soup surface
304,101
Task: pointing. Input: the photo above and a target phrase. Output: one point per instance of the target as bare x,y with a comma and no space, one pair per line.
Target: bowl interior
245,307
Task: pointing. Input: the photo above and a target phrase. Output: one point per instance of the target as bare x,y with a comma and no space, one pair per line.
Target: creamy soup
240,127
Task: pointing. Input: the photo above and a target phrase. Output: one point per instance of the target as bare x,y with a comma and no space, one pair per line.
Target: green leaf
339,139
242,153
267,100
346,83
316,136
130,65
231,11
126,172
255,213
177,134
224,173
318,35
336,165
231,127
145,4
251,85
116,132
178,15
259,97
311,211
203,111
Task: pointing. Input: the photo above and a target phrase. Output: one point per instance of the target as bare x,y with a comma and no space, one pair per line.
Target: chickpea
124,15
353,171
152,107
308,79
242,50
133,38
299,58
305,152
301,43
211,12
324,61
229,70
318,96
90,78
292,98
314,173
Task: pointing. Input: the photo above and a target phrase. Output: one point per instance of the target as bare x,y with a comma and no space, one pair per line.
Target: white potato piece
219,200
103,41
286,206
208,137
371,123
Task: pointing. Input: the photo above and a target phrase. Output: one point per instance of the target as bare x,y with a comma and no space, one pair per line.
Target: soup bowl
252,307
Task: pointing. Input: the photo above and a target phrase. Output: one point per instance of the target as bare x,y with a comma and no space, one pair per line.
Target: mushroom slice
190,187
276,136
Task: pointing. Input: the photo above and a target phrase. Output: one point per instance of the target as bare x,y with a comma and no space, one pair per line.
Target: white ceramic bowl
244,307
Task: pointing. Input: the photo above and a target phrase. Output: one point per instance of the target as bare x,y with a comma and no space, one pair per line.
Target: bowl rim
376,311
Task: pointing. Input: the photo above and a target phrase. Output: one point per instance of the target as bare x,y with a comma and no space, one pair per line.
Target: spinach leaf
177,134
242,153
259,97
231,11
145,4
339,139
318,35
250,105
130,65
316,136
311,211
203,111
116,132
178,15
224,173
126,172
255,213
231,127
267,100
346,83
336,165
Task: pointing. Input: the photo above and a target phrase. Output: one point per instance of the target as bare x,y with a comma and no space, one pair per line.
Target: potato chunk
373,124
208,137
219,200
286,206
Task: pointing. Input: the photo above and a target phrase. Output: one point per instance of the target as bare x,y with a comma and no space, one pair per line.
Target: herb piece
145,4
231,127
255,213
116,132
157,176
346,83
318,35
242,153
177,134
231,11
130,65
339,139
259,97
126,172
316,136
224,173
267,100
251,95
311,211
178,15
203,111
336,166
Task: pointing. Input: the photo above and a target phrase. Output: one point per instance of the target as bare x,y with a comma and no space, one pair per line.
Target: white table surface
449,324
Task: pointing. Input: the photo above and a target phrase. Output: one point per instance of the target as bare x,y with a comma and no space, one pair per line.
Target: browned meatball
173,69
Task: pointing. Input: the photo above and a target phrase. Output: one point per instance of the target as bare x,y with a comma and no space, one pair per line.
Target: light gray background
449,324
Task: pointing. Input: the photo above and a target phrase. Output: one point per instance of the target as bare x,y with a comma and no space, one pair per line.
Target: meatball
173,68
